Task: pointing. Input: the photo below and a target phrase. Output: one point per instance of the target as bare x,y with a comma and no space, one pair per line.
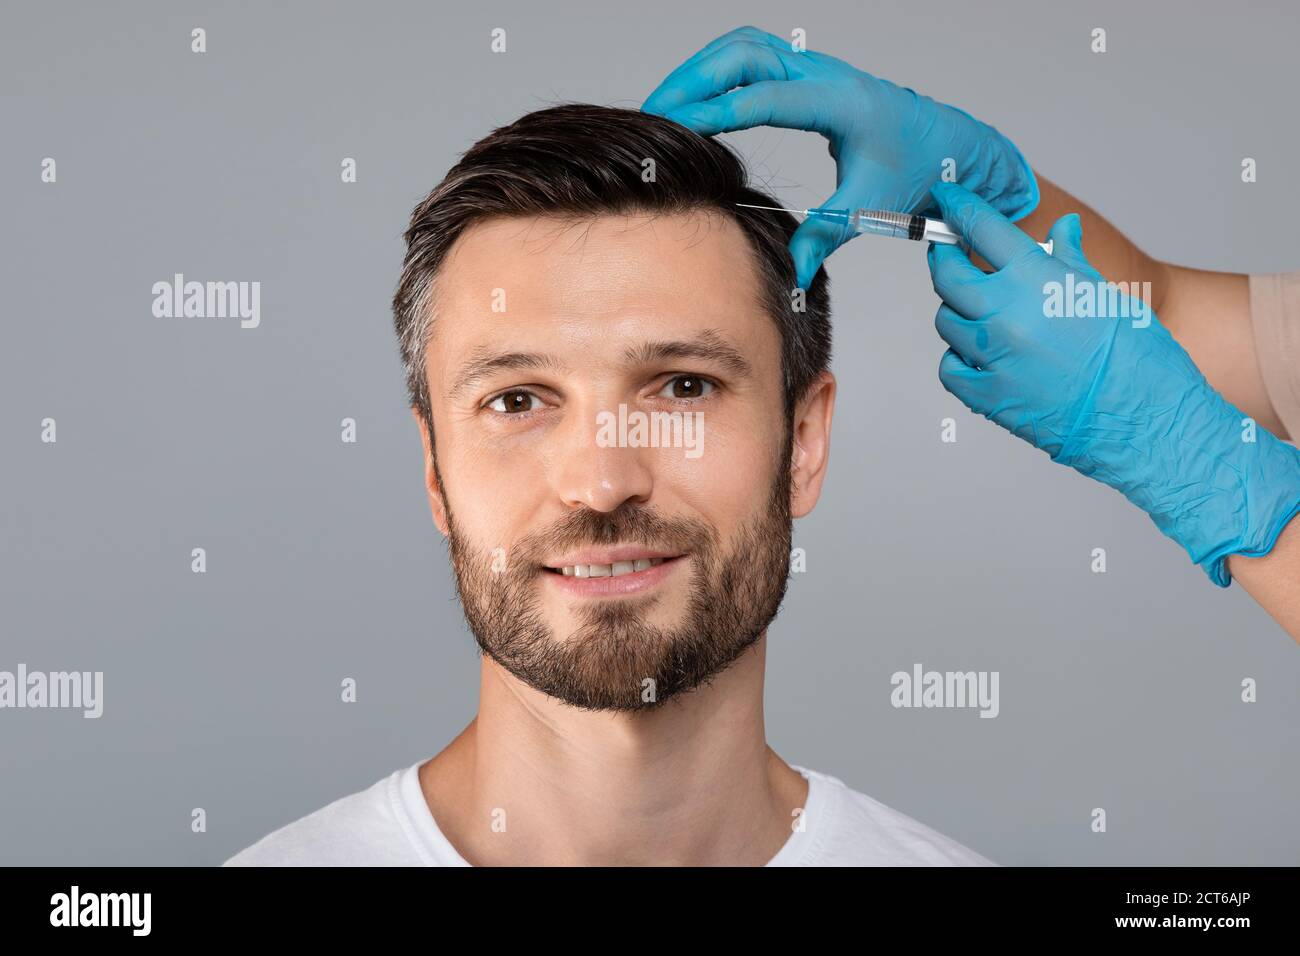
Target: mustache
627,524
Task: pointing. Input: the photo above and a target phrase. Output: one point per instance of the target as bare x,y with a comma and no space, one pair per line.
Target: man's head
609,368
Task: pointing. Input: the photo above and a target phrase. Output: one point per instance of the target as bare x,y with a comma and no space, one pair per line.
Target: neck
532,781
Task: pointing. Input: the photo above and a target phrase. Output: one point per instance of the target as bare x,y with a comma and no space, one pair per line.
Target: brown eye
513,401
688,386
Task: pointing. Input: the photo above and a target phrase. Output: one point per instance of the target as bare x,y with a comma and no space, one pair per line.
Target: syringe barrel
880,222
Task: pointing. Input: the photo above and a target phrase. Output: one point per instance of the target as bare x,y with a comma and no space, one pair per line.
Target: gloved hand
1113,396
889,143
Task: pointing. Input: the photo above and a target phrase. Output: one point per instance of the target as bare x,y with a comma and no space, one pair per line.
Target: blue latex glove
889,143
1114,397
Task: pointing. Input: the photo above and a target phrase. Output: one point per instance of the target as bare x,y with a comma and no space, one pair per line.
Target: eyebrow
485,363
708,345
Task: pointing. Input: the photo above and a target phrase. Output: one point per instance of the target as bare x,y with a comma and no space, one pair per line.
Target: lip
636,582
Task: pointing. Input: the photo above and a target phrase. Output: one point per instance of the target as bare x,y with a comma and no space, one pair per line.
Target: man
1184,411
580,268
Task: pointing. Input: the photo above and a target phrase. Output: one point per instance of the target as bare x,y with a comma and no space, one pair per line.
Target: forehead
600,281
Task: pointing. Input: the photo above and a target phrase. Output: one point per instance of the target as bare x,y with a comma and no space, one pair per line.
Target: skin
1209,314
690,784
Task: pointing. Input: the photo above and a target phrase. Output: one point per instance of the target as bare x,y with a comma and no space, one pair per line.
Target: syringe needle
801,212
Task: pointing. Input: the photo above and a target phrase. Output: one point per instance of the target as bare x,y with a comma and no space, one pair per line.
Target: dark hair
584,160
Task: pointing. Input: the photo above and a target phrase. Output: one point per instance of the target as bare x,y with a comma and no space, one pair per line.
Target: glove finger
732,64
1067,242
816,239
957,281
991,234
966,383
763,102
969,338
668,93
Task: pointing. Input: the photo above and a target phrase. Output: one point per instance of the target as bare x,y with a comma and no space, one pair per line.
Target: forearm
1108,249
1207,312
1273,580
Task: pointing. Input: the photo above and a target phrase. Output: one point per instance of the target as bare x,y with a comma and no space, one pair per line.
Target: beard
615,660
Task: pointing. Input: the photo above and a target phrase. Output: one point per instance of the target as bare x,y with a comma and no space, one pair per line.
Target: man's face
607,556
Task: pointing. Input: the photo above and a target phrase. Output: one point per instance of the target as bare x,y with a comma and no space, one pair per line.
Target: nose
593,471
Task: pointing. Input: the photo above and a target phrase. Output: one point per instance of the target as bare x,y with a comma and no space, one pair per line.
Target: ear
436,505
811,444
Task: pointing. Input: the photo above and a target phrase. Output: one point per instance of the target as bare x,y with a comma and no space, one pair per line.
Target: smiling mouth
615,570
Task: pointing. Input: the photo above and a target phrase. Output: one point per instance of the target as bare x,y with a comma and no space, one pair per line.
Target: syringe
881,222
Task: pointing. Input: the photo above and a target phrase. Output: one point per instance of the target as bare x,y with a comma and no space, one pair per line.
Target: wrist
1270,482
1231,486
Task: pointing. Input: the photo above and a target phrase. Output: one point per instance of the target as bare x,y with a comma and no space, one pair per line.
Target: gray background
222,690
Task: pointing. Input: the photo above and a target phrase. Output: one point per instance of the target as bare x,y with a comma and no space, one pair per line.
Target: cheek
732,474
492,488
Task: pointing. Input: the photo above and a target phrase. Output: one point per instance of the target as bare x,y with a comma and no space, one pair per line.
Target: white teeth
617,569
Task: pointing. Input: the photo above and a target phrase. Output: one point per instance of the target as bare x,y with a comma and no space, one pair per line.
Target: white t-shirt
389,824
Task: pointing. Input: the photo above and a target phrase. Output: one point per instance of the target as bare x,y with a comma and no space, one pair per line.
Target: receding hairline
427,303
